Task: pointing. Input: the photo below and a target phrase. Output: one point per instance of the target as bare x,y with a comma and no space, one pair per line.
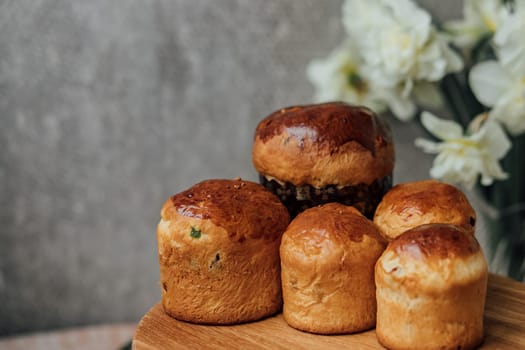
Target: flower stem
508,197
460,99
515,215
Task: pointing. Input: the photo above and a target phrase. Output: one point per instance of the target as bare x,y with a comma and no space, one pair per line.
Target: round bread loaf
431,284
412,204
330,152
218,245
328,255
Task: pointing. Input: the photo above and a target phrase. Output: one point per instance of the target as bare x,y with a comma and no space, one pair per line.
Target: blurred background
108,108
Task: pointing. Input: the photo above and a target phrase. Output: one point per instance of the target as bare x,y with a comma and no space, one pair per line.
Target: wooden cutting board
504,329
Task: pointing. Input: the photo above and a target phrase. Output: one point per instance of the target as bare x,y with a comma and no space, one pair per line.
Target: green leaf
483,50
195,233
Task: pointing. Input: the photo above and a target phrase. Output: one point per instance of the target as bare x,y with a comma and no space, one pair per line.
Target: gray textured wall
109,107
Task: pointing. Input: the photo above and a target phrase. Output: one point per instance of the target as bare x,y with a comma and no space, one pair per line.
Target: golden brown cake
330,152
412,204
218,245
328,255
431,285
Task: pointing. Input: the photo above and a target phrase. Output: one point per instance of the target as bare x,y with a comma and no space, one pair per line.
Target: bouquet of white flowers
396,58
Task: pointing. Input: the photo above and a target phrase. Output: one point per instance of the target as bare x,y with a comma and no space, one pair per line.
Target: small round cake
331,152
412,204
431,285
218,245
328,255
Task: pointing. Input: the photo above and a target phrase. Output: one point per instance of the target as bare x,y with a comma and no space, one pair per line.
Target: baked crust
324,144
218,246
411,204
431,286
328,255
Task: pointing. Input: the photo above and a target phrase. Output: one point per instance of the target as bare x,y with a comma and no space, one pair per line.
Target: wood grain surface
105,336
504,329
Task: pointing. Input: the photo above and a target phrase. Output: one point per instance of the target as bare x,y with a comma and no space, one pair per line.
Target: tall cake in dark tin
331,152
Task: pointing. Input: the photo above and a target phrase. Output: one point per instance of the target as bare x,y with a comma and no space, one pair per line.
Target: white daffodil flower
509,39
399,45
503,90
399,103
461,159
339,77
481,17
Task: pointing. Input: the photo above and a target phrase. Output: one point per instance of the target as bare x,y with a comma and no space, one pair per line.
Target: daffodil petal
465,34
480,17
427,146
403,108
508,40
488,81
495,140
442,129
510,110
454,60
493,170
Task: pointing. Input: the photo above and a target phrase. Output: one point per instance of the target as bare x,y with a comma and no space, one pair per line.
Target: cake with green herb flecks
218,248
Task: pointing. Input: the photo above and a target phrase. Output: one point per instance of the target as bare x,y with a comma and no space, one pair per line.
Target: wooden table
504,329
109,336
